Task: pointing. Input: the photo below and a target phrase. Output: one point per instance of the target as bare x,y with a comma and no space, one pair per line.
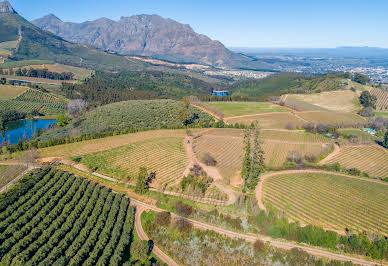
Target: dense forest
103,88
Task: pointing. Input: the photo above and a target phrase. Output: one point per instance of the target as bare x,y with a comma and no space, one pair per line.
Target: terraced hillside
63,220
330,200
371,159
226,145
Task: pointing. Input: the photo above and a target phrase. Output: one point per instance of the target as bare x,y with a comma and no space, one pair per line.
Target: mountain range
144,35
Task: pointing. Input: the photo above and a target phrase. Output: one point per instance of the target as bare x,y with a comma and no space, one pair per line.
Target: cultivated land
63,220
226,146
164,155
9,172
8,91
329,200
230,109
382,98
332,118
371,159
270,120
32,100
341,101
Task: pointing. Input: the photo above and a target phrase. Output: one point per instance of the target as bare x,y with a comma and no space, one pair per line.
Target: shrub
259,246
163,218
310,157
208,159
290,126
367,112
353,171
309,127
183,209
183,225
140,250
322,128
294,156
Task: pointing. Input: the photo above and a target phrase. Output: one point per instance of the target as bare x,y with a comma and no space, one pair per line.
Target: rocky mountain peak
6,7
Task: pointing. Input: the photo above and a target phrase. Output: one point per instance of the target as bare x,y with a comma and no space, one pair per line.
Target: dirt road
253,238
331,155
143,236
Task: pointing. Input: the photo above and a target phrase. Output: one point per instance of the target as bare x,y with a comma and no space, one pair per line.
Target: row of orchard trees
253,161
58,218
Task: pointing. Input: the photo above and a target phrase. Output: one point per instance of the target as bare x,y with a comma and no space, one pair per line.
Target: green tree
247,156
140,251
385,141
63,120
360,78
257,158
141,182
367,99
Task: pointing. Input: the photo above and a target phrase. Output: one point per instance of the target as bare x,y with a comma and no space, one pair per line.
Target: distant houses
220,92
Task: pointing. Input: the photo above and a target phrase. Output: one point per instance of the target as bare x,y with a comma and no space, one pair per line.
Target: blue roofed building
220,93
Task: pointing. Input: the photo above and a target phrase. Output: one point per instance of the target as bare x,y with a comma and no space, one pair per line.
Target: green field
381,114
330,200
63,220
245,108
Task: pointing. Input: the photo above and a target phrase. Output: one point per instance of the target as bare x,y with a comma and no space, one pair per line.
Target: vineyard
31,101
54,218
371,159
300,105
382,99
165,156
227,148
329,200
137,114
97,145
274,120
332,118
230,109
9,172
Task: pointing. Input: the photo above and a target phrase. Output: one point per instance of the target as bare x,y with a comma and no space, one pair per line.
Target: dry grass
371,159
341,101
330,200
231,109
332,118
270,120
8,91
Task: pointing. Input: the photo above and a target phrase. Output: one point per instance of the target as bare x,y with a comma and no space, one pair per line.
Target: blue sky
244,23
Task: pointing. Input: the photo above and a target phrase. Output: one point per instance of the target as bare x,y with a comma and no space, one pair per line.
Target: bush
322,128
259,246
290,126
208,159
140,250
294,156
163,218
367,112
309,157
183,225
183,209
309,127
353,171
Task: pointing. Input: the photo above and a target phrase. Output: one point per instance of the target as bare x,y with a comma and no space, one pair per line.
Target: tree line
38,73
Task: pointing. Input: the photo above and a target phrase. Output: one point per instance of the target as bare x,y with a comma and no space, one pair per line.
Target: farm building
220,93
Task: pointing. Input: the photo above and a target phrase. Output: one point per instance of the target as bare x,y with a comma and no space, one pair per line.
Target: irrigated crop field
270,120
230,109
226,145
332,118
54,218
165,156
330,200
371,159
341,101
382,98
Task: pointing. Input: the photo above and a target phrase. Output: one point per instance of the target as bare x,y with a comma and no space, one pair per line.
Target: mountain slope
145,35
35,43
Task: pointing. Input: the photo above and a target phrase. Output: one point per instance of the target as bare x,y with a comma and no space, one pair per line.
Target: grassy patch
8,91
245,108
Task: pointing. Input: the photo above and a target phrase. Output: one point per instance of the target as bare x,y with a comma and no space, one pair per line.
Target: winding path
331,155
29,168
250,238
210,170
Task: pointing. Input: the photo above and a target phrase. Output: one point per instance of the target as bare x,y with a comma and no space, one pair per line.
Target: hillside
35,43
145,35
